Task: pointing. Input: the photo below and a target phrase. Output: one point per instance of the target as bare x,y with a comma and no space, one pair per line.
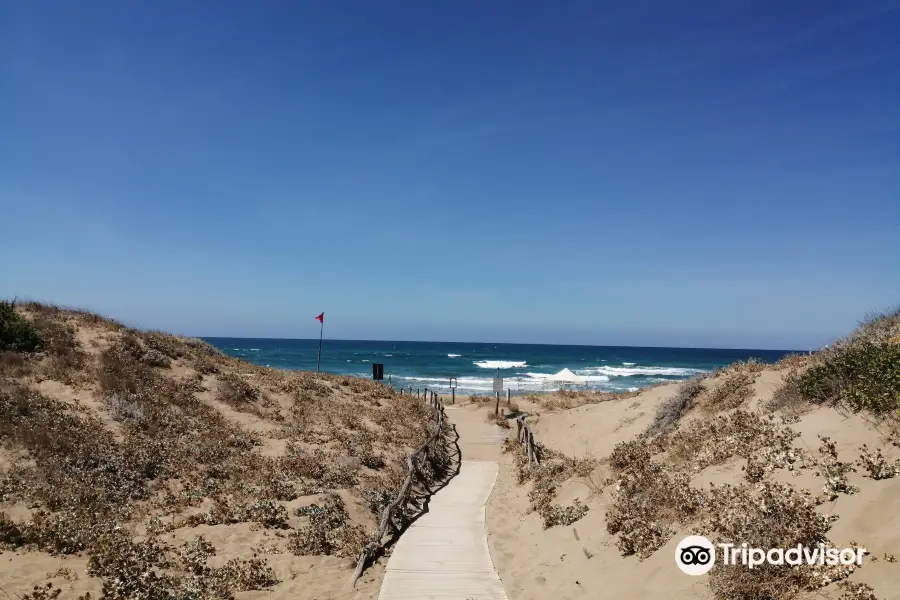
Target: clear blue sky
707,173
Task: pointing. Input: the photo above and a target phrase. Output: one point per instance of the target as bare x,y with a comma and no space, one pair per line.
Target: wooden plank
444,555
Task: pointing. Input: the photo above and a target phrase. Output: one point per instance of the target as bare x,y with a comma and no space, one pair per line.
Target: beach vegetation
555,468
862,376
735,389
129,443
652,485
673,408
17,334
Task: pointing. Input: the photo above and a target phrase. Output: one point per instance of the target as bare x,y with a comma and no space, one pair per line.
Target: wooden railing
414,463
526,437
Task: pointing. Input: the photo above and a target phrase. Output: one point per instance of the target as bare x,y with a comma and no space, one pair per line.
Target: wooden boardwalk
444,555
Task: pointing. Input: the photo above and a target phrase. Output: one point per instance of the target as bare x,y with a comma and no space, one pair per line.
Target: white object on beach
567,376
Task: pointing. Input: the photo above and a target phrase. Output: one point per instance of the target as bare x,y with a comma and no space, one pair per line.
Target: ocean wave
500,364
633,371
464,384
629,364
535,382
454,355
549,376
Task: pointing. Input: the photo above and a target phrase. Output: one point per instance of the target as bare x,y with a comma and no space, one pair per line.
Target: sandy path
445,554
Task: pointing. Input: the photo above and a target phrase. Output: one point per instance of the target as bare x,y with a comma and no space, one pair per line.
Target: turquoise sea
524,367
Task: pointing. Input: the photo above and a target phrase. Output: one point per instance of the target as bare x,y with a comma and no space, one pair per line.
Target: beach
214,473
582,559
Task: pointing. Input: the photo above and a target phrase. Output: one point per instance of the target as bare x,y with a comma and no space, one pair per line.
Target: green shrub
861,376
16,332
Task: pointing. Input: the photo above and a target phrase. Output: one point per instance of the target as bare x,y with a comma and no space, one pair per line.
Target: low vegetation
566,399
731,392
554,469
863,376
17,334
673,408
649,482
114,438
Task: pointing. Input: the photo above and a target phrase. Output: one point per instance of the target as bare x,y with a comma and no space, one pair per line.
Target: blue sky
645,173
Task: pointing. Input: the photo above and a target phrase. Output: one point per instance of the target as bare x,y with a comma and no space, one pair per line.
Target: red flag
321,318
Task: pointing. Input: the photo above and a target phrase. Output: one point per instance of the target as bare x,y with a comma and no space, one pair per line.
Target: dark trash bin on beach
377,371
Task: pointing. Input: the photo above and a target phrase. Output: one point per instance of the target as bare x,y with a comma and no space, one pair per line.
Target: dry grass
749,367
734,390
567,399
772,515
653,495
876,465
787,398
793,362
675,407
143,446
555,468
648,501
495,419
328,530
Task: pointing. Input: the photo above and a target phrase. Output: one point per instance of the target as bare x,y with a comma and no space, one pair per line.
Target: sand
581,561
339,408
574,561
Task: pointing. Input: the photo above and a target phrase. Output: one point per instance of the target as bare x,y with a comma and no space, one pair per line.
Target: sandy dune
581,560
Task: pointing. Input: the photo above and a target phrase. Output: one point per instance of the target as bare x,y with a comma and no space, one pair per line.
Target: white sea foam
633,389
464,384
631,371
454,355
500,364
531,382
629,364
604,378
549,377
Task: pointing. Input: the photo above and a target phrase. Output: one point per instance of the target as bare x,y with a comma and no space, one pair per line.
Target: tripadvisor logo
696,555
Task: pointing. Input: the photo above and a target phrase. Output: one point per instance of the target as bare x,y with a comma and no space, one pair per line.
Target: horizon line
224,337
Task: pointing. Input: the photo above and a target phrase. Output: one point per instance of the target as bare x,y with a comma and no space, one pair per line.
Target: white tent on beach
567,376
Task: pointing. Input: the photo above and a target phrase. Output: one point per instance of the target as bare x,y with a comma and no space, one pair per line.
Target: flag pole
319,353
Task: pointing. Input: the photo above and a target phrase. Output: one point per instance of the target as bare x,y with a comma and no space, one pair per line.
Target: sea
525,368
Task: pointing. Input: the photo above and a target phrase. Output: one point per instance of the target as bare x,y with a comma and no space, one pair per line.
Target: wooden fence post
497,406
508,394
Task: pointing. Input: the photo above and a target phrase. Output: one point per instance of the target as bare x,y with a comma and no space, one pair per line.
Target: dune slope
143,465
801,452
